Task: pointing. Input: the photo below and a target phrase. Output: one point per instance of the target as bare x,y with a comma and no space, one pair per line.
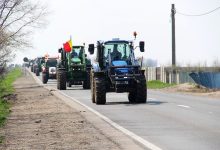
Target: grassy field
6,88
157,84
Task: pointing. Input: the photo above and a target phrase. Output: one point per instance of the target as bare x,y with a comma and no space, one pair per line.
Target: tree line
18,18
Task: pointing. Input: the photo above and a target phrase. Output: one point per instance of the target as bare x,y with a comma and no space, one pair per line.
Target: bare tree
17,20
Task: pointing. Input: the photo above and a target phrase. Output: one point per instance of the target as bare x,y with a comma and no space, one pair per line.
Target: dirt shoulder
39,120
192,89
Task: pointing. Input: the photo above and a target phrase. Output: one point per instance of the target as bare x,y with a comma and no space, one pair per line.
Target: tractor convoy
114,69
36,65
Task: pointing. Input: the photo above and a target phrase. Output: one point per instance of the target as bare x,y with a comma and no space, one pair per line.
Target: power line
197,15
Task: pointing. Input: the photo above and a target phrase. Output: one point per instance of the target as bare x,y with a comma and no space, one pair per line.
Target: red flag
68,46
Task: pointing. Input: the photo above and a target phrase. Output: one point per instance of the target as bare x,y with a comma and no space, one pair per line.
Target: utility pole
173,12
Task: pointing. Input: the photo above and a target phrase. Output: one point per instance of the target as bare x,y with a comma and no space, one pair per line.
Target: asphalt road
169,121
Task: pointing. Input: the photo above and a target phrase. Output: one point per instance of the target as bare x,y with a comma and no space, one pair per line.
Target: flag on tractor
68,46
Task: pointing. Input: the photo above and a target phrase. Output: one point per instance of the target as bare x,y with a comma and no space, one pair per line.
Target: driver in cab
115,54
74,54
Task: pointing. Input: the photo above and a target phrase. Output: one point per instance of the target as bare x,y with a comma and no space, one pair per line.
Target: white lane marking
112,123
210,112
151,99
185,106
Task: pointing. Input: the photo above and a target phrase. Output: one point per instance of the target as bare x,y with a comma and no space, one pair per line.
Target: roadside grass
6,88
156,84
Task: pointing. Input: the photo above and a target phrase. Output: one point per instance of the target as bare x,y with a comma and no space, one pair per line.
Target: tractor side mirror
60,50
91,48
25,59
141,45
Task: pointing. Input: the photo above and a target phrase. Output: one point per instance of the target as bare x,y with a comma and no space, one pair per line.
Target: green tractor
37,65
115,69
74,68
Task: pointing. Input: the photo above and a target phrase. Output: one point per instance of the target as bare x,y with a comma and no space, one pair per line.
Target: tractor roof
78,46
116,41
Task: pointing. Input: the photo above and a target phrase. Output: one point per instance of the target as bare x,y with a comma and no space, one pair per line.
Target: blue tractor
115,69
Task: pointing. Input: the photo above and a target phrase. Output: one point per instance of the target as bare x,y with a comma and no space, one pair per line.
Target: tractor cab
117,53
76,55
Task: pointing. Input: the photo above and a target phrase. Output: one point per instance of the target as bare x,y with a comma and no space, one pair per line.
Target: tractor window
51,62
76,52
121,50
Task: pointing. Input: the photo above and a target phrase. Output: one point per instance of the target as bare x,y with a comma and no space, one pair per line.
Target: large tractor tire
61,80
92,87
86,83
100,91
44,78
37,72
141,96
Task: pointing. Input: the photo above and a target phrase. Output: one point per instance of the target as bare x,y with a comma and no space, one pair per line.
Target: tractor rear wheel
37,71
100,91
86,83
44,78
61,80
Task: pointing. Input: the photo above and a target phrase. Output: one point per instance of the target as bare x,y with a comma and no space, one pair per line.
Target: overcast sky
197,38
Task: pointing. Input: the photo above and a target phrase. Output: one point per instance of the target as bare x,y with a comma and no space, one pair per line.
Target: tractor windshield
117,51
51,62
77,52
